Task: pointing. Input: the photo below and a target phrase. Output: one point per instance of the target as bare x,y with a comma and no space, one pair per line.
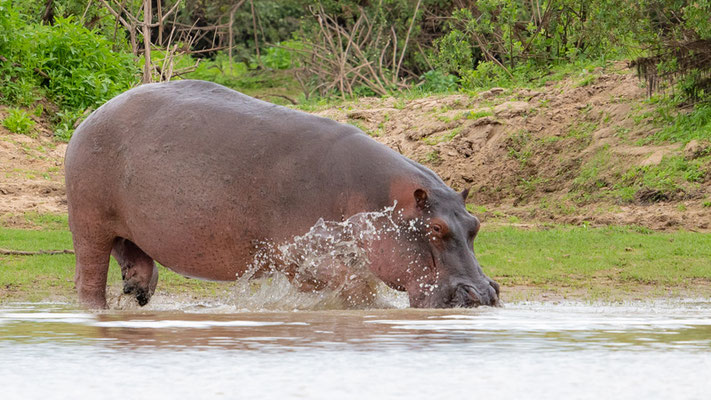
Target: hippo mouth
467,296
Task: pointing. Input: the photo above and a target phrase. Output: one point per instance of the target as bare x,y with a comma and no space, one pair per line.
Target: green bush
436,81
66,119
18,121
486,74
453,53
16,85
65,62
83,71
277,57
218,70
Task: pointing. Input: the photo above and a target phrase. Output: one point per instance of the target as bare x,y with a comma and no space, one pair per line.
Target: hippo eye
438,229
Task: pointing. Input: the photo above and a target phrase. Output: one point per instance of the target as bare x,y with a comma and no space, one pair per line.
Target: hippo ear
421,199
465,194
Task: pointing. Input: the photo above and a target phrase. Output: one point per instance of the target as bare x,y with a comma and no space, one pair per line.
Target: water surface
659,350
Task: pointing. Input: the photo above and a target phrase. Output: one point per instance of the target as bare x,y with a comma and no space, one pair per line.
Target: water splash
326,268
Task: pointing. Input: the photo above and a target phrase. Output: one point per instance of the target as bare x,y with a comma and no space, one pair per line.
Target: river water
646,350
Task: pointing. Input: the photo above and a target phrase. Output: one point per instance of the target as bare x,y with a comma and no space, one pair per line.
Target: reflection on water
653,350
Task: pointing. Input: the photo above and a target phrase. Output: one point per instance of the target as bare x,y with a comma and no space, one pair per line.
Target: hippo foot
139,272
142,294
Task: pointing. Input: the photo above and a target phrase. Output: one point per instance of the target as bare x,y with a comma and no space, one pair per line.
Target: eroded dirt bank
554,154
31,174
548,155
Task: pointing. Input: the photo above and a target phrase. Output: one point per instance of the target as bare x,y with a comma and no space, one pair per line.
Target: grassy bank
51,277
606,263
612,263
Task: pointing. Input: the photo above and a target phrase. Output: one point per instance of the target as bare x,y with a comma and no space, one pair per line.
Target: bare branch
147,66
407,38
34,253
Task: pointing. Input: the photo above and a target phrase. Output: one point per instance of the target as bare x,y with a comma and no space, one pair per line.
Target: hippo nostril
496,287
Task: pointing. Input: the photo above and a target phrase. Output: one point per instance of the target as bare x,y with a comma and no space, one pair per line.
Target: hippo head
432,255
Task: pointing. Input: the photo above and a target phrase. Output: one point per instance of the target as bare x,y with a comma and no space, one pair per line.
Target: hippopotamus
195,176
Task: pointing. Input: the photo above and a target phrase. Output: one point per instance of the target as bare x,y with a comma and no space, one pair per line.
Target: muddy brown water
656,349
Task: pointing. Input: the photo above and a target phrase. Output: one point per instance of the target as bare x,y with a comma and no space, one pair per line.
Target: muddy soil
520,150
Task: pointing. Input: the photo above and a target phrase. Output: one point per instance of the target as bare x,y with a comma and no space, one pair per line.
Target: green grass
586,80
433,140
476,114
532,76
676,126
588,257
672,176
581,130
42,277
593,261
432,158
518,146
589,178
18,121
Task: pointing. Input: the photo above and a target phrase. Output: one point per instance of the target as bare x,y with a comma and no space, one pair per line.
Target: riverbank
539,263
581,147
583,193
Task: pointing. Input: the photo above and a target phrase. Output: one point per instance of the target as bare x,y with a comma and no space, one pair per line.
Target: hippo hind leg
139,272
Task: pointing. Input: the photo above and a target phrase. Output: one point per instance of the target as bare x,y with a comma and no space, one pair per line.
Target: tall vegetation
677,35
67,63
78,53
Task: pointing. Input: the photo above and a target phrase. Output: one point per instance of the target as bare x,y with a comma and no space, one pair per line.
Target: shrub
486,74
18,121
83,71
453,53
66,62
278,57
438,81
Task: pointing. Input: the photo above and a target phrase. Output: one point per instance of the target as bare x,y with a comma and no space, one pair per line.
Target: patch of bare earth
606,290
31,174
521,150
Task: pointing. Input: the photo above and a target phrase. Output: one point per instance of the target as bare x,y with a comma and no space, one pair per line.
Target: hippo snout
472,296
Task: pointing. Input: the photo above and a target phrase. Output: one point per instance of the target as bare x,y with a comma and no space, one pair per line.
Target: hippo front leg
92,266
354,290
358,291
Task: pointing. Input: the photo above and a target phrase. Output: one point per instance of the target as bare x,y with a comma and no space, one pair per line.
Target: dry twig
7,252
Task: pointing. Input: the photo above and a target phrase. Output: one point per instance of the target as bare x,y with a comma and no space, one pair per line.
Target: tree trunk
48,13
159,9
147,18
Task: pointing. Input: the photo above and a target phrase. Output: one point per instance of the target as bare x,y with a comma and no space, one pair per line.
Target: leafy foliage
677,36
437,81
18,121
78,58
70,64
82,69
508,33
